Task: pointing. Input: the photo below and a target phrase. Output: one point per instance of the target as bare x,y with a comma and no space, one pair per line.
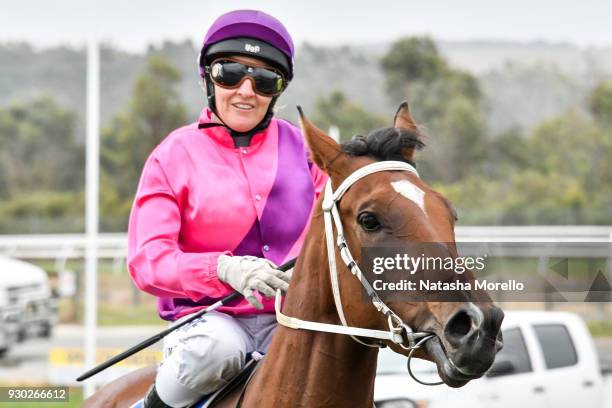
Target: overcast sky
132,24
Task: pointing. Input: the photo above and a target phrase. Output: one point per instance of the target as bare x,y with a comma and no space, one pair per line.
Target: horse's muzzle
466,349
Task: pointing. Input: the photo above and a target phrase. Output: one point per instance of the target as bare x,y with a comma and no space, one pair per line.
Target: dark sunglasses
231,74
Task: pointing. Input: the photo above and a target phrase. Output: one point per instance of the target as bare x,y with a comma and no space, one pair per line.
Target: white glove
249,273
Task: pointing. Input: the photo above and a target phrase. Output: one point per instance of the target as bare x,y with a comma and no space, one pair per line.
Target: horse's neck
306,368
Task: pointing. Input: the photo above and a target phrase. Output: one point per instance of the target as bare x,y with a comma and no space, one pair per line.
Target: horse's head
398,207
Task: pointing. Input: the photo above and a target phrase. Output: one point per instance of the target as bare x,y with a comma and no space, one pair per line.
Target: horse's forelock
386,143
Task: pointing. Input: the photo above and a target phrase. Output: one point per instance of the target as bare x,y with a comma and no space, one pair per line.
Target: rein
399,332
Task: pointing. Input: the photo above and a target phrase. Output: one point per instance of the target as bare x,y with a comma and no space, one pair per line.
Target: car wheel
46,331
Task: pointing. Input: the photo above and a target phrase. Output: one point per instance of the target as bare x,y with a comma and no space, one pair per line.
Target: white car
26,306
7,334
549,360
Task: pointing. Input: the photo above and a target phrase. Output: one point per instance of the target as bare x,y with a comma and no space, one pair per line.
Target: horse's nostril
458,326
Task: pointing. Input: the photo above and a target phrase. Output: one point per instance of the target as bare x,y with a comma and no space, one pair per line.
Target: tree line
558,172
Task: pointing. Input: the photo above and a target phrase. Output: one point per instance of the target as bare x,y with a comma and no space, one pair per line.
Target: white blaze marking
411,192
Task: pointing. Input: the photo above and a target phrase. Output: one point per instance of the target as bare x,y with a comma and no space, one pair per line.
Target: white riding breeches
202,356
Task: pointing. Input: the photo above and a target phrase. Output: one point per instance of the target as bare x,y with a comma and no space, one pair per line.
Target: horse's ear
324,150
403,120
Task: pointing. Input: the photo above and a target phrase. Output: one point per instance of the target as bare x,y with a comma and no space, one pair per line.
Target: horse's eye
368,221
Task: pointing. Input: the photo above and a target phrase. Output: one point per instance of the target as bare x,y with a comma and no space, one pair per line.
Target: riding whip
154,339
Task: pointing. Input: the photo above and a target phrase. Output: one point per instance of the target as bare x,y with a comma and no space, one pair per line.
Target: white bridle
398,331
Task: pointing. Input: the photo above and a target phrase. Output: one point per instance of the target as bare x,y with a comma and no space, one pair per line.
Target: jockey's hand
247,274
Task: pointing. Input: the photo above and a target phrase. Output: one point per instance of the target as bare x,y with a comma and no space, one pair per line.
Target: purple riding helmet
250,33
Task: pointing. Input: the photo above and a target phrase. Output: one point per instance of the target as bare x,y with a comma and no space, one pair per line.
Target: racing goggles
231,74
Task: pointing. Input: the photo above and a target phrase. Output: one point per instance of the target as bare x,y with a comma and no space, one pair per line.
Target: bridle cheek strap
398,331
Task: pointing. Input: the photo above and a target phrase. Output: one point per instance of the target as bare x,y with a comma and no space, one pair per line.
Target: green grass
114,314
119,315
600,328
119,303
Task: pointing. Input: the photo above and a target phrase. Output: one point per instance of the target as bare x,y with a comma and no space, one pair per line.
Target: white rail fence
566,241
114,246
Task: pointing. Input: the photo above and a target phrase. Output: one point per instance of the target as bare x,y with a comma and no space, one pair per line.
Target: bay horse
319,367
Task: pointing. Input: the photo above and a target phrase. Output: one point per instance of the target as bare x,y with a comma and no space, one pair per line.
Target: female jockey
220,203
